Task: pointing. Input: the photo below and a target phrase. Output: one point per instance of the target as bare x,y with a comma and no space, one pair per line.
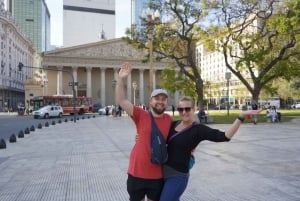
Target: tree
176,39
259,40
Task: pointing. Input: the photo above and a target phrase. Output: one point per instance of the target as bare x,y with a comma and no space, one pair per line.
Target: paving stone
88,160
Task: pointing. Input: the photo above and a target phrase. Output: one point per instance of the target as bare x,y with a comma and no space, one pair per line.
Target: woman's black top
180,147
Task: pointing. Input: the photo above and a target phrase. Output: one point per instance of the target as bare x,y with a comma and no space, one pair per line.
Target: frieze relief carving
99,55
112,50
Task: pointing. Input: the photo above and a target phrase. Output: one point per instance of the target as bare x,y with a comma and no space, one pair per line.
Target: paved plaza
87,161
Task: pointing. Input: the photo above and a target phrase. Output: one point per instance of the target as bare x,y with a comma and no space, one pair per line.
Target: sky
56,12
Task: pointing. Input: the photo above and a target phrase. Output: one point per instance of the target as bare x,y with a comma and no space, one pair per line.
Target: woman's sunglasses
186,109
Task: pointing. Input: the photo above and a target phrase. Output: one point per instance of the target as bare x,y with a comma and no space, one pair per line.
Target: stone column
116,74
102,86
59,89
74,69
141,87
88,81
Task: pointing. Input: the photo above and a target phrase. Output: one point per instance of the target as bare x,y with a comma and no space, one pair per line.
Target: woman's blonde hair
187,98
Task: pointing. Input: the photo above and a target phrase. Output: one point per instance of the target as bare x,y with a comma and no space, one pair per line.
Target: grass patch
220,116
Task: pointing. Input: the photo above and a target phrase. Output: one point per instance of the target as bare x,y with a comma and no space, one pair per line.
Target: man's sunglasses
181,109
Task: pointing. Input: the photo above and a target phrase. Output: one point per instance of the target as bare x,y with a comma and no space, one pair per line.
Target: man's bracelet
242,119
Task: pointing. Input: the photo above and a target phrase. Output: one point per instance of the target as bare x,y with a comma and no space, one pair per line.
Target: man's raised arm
120,89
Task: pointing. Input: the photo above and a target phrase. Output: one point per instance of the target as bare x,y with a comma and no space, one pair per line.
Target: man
254,106
144,177
202,115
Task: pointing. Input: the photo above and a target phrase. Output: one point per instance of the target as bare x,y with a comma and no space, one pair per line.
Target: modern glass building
33,17
139,6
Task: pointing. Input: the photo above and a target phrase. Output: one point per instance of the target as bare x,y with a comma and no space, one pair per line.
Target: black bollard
2,144
59,121
46,124
21,134
27,131
66,120
32,128
53,122
12,138
40,126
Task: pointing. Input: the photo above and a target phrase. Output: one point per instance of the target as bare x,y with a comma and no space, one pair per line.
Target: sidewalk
87,161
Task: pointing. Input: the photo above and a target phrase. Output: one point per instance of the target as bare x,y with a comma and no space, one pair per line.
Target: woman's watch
242,119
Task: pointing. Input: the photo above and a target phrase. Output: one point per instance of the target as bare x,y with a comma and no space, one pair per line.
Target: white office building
88,21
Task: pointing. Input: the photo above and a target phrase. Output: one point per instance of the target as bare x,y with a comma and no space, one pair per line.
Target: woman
186,136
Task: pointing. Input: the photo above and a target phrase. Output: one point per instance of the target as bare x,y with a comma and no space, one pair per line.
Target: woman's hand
250,112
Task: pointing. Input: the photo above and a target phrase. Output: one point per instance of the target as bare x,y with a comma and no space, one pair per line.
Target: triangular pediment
115,48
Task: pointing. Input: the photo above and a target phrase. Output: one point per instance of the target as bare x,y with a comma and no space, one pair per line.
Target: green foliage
175,40
174,81
259,41
262,39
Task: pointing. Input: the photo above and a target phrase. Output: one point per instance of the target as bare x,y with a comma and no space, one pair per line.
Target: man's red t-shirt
140,164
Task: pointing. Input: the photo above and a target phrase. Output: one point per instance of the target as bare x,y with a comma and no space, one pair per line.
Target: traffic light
20,66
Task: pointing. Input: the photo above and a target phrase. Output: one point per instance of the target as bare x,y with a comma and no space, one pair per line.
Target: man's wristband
242,119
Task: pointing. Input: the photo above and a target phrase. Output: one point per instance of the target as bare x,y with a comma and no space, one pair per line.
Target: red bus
83,104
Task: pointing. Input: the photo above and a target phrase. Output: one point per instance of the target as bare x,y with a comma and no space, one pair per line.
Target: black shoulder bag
159,151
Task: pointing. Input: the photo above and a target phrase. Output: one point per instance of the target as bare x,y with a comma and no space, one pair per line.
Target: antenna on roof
102,34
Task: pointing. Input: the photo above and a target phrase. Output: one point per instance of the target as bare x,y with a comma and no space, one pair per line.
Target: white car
102,111
296,106
48,111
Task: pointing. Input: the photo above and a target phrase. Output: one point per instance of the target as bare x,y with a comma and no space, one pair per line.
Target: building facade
95,67
87,21
214,74
15,47
34,19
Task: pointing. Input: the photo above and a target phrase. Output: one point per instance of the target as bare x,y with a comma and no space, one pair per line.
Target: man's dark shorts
137,188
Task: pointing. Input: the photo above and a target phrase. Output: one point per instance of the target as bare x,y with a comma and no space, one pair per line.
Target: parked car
96,107
222,106
296,105
102,111
48,111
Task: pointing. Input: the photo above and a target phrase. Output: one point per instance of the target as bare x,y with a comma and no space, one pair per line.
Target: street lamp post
134,86
21,65
227,77
150,19
114,83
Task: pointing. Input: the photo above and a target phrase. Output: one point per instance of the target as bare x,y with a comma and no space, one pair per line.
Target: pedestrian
254,106
120,111
173,109
202,115
145,179
187,135
271,113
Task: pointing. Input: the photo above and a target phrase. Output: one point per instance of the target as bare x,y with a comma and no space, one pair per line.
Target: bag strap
153,124
179,132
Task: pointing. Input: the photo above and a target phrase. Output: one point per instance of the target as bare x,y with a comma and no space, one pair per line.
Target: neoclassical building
95,67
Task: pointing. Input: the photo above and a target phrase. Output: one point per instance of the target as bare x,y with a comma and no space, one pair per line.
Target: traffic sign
71,84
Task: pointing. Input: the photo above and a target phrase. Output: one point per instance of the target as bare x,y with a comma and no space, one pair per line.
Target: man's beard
157,111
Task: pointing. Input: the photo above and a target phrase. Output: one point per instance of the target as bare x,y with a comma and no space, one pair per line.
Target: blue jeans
173,188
